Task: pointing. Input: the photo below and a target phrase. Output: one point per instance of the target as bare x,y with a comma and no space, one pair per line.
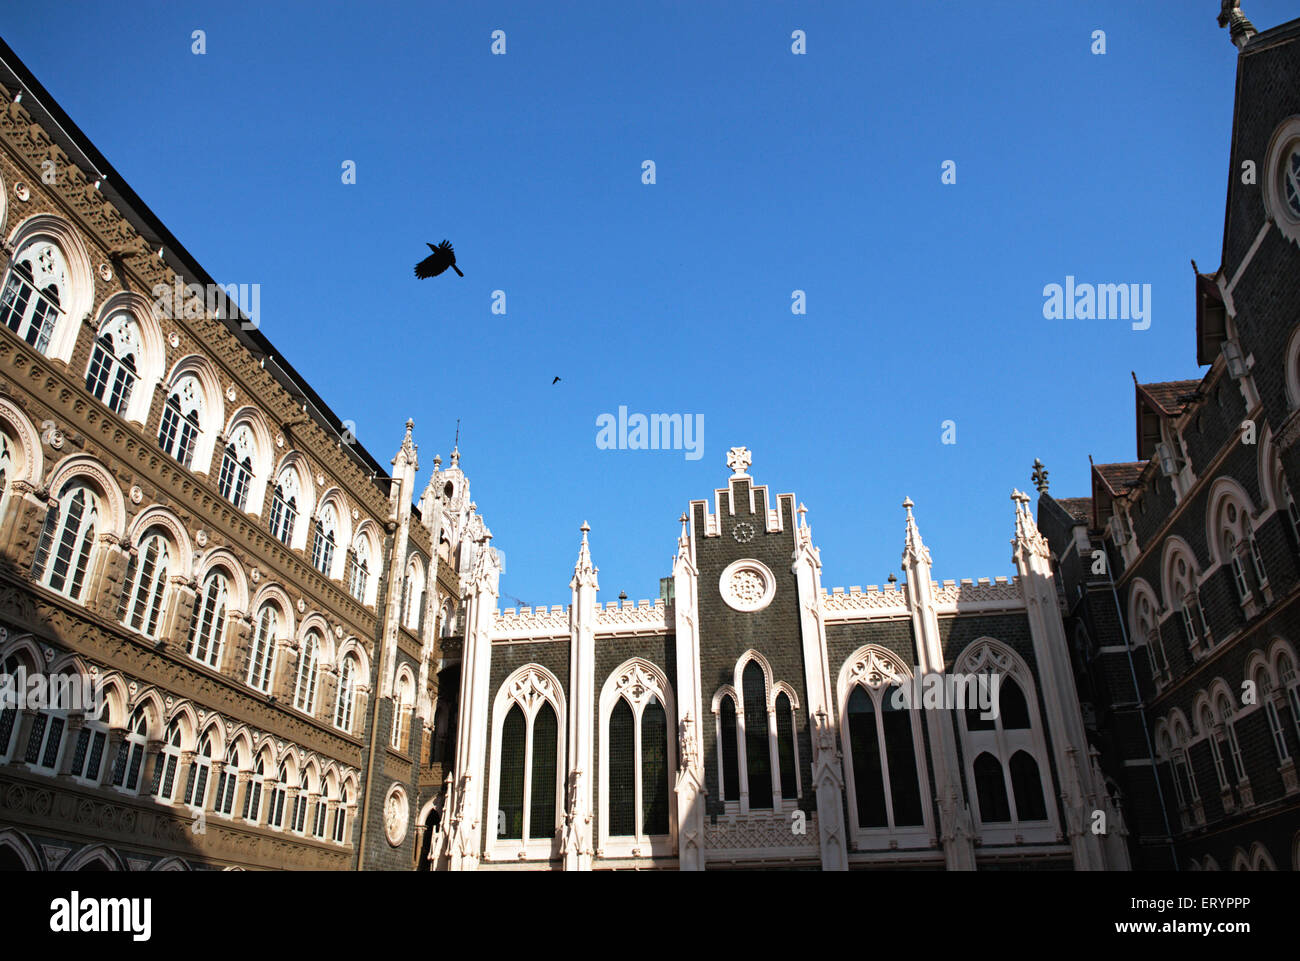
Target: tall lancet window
528,752
635,704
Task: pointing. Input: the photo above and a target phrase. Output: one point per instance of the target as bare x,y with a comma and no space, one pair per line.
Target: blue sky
775,172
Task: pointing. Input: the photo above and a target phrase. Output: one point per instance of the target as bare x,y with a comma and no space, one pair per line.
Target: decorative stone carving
396,815
747,585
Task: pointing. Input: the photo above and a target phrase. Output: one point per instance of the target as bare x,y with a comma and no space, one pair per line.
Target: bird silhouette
438,261
554,382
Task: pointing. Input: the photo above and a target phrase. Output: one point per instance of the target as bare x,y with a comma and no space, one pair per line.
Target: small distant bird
554,382
438,261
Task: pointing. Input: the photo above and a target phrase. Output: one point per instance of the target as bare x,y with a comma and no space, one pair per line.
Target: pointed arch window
1008,751
883,751
1270,698
146,585
1147,630
8,714
67,541
298,819
275,810
131,752
323,540
208,629
527,766
1226,714
261,652
341,817
88,752
168,762
322,809
635,788
253,796
304,689
284,506
347,693
786,751
226,783
178,434
729,749
236,477
45,743
359,580
758,760
35,286
1290,679
113,362
196,783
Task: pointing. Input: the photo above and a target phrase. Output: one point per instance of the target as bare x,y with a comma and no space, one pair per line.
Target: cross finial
739,459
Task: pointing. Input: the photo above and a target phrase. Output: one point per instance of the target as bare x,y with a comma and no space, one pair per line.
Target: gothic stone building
185,521
747,719
1181,571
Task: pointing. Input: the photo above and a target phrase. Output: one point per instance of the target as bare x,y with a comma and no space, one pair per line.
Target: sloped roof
1171,397
1119,478
1080,508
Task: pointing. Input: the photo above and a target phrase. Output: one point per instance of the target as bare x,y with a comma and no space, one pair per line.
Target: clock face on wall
743,532
1291,181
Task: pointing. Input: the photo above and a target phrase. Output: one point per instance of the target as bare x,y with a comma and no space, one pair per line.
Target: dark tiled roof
1080,508
1171,396
1120,477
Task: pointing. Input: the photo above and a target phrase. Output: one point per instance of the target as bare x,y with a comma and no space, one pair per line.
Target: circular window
1282,178
747,585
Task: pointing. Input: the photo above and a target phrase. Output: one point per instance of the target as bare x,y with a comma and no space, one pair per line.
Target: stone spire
913,548
584,572
1028,538
1240,29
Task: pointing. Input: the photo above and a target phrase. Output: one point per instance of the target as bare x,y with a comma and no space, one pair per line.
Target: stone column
577,843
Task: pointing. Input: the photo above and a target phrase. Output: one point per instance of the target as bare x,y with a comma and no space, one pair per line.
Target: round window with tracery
747,585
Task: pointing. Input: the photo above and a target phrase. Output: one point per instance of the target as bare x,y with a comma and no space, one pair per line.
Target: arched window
236,477
322,808
446,619
1225,710
178,434
9,712
113,362
1184,594
34,288
323,538
88,753
635,787
304,689
45,743
196,784
1009,752
168,762
7,464
1184,778
1269,697
261,652
298,819
275,813
347,693
413,595
226,783
359,578
131,752
883,750
253,796
729,749
758,760
525,775
146,584
786,747
1146,631
1290,679
341,817
208,629
68,541
402,706
284,506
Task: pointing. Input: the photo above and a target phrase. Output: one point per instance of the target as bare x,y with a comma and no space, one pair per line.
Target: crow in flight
438,261
554,382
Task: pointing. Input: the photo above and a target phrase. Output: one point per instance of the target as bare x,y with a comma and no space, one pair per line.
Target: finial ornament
1240,29
1040,476
739,459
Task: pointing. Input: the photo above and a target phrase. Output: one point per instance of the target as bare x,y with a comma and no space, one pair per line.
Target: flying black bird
438,261
554,382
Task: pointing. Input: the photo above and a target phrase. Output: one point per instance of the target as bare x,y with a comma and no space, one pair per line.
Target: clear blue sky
775,172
